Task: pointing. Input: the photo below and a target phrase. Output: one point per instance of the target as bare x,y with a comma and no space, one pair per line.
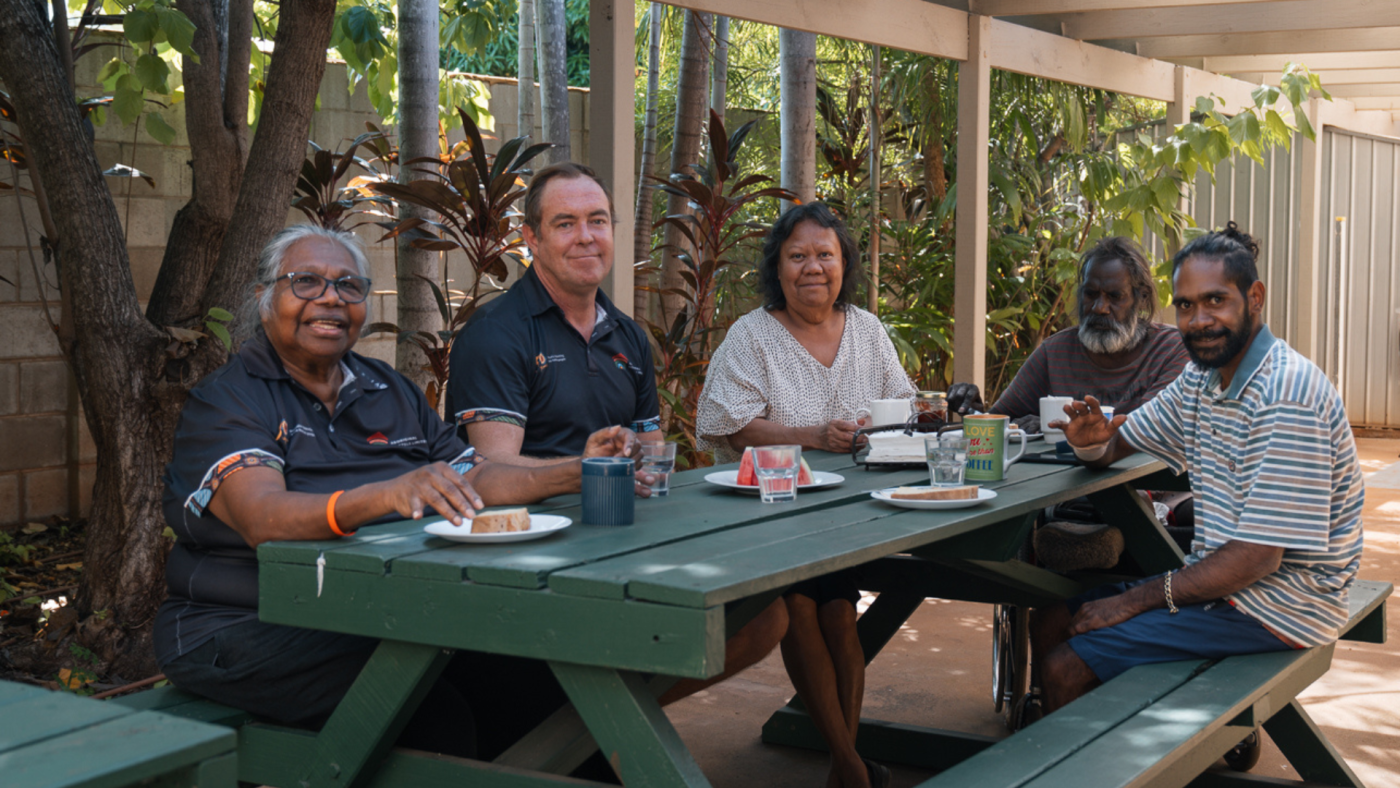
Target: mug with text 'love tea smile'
987,436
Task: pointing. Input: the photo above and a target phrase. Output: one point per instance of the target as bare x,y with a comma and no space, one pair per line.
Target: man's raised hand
1086,425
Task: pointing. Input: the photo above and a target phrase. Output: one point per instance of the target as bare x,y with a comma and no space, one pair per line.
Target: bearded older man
1116,354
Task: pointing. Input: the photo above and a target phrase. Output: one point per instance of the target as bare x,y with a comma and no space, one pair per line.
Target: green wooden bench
1166,724
56,739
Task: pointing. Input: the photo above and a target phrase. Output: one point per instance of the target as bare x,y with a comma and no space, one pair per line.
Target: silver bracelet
1167,590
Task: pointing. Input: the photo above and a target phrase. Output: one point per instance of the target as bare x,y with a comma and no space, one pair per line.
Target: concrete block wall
47,457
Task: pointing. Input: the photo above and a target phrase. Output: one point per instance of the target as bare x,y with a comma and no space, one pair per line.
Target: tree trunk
418,137
132,388
646,196
719,80
216,121
797,56
525,70
554,78
691,103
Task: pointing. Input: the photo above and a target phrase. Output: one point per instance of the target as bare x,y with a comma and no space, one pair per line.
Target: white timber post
1178,114
1308,340
611,136
970,271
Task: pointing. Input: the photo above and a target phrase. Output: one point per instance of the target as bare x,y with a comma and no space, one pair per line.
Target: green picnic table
620,613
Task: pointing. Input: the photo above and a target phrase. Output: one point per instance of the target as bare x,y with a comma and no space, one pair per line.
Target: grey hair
274,254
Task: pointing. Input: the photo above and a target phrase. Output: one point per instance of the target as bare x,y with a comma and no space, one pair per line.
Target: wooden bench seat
1165,724
61,740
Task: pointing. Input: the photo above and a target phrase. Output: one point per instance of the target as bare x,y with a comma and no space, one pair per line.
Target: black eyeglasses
309,287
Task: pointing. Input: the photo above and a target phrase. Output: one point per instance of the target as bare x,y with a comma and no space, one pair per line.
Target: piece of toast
501,521
934,493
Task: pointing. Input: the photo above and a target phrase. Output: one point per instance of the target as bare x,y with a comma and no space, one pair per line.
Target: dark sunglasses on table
309,287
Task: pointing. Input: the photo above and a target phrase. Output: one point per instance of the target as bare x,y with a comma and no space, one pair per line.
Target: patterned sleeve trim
647,425
226,467
466,461
500,415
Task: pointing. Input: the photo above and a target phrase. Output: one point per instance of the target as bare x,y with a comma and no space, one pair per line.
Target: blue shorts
1209,630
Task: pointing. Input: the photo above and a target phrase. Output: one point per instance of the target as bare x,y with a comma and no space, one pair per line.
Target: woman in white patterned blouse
795,371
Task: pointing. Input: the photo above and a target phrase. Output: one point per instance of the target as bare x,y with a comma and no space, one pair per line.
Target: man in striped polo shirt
1117,354
1278,494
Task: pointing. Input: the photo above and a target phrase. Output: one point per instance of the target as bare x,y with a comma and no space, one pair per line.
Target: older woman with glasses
299,437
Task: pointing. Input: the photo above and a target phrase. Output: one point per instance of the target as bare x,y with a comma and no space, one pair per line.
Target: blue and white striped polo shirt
1272,462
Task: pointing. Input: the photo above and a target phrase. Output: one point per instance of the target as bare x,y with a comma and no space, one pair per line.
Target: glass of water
659,459
776,467
947,460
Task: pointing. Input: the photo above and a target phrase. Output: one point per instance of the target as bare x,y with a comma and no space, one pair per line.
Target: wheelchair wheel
1245,755
1011,672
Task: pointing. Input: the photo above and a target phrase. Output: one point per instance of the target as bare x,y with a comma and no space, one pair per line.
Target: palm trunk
646,197
691,103
554,78
797,55
719,80
525,70
418,127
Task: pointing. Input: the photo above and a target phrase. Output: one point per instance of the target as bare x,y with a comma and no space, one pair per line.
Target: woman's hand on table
835,436
437,486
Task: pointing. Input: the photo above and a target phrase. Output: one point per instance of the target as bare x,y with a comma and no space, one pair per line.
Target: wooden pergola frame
1176,50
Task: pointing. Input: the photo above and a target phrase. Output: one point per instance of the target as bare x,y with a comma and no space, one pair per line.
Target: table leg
623,716
1303,744
373,713
1144,538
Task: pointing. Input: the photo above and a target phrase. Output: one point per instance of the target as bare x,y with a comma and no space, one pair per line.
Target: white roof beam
922,27
1033,7
1317,61
1330,79
1266,43
1027,51
1225,18
1368,91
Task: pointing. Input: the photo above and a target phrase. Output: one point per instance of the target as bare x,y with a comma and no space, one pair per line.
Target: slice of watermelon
746,475
748,478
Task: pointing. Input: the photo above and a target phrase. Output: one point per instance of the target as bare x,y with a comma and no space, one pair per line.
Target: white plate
983,495
730,479
541,525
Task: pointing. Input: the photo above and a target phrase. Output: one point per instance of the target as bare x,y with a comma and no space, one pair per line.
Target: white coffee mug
884,412
1053,409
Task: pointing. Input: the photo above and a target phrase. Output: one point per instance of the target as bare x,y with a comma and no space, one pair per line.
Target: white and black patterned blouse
762,371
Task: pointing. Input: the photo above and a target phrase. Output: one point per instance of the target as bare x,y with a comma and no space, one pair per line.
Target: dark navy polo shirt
519,361
251,413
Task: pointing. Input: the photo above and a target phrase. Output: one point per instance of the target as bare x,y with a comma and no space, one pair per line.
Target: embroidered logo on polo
540,361
378,438
620,360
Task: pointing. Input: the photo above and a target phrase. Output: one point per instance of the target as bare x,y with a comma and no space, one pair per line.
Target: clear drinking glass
947,460
659,459
776,467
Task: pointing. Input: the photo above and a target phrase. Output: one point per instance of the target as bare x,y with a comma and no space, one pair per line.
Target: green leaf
1278,126
153,71
361,25
114,68
159,129
128,103
219,313
1264,96
140,26
179,31
218,330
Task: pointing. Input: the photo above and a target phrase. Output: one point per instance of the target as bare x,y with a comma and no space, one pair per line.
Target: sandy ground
937,673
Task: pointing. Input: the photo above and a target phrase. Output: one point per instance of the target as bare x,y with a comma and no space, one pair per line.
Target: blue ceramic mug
609,497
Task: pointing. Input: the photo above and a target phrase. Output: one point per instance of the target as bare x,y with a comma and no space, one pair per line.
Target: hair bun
1234,233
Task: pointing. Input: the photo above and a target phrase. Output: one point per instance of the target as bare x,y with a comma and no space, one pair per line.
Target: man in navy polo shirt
539,368
543,366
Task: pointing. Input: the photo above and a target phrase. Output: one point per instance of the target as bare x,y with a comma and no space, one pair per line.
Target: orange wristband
330,514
